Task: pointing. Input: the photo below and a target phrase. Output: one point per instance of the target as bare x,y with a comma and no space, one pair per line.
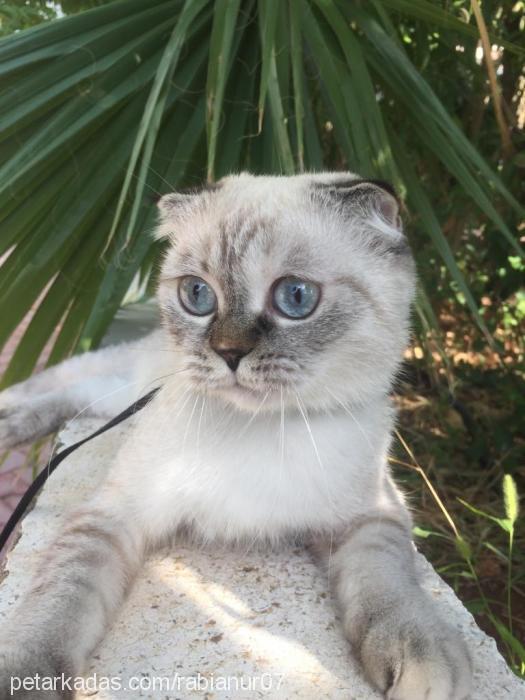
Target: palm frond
103,111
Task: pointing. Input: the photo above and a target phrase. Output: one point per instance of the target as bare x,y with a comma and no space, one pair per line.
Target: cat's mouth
242,388
237,388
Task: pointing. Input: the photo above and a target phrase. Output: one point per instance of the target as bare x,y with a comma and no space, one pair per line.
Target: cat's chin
250,399
244,397
272,397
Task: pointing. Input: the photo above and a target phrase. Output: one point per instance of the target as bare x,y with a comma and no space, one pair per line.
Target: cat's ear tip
167,203
364,195
388,206
170,209
170,202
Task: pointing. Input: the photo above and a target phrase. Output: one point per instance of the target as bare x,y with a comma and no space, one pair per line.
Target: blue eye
295,298
196,296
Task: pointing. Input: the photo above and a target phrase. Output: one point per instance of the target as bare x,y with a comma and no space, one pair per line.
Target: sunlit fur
291,446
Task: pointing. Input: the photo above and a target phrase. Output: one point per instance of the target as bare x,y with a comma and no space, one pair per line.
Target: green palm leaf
102,112
221,41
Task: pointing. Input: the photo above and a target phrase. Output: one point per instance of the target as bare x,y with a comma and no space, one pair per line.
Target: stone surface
222,625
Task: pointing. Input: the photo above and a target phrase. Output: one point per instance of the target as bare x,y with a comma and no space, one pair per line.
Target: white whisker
169,418
189,423
309,430
318,456
320,462
281,436
255,413
344,406
199,424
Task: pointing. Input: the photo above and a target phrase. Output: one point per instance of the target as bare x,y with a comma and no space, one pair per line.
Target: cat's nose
232,356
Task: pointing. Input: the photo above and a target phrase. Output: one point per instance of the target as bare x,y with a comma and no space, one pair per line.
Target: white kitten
285,305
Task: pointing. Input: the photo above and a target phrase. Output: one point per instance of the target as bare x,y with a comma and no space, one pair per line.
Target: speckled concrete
223,625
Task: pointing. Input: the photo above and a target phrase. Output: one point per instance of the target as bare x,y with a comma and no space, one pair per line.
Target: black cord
43,476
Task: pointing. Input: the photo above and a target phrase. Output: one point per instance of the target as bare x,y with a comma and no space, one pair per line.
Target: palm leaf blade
154,85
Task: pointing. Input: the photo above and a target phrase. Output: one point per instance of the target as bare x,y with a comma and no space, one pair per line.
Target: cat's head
275,288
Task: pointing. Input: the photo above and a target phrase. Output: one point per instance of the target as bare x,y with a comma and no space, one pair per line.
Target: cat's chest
232,477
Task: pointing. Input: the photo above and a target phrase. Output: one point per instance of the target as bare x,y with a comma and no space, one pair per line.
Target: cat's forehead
243,196
245,243
273,194
239,203
298,223
243,209
249,236
267,195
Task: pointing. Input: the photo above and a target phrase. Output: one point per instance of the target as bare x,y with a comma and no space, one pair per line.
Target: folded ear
364,198
372,205
170,203
176,207
173,208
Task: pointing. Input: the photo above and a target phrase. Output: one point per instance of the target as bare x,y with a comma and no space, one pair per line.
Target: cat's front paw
416,656
25,676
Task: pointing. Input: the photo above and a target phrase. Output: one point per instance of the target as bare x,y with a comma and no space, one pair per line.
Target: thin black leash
43,476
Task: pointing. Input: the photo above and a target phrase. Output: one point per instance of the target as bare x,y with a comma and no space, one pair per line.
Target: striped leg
81,583
406,649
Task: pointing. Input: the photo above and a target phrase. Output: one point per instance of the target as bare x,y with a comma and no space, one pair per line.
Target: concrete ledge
197,622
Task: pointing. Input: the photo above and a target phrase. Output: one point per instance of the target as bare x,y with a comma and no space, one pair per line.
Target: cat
285,306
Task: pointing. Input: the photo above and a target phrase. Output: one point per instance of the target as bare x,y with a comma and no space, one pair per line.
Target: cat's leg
407,650
81,581
101,383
